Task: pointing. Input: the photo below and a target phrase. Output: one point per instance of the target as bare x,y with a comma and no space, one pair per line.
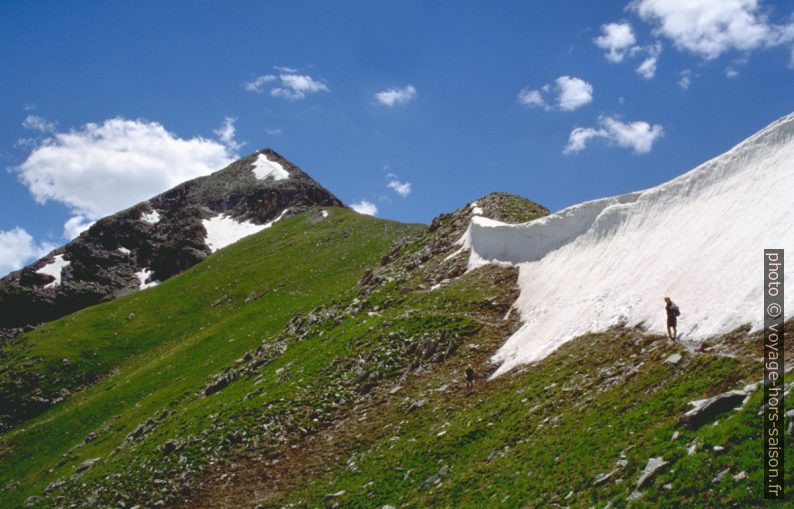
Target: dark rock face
104,260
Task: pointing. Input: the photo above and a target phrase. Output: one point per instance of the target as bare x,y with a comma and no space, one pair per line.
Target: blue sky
105,104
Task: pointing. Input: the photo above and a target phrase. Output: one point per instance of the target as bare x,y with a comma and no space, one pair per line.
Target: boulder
704,410
653,466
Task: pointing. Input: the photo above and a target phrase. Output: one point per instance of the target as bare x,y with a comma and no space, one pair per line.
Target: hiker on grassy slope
672,317
470,376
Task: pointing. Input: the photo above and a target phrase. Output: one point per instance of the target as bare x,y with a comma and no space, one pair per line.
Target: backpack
675,310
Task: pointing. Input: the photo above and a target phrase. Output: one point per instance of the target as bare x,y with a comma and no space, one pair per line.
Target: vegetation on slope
354,397
152,352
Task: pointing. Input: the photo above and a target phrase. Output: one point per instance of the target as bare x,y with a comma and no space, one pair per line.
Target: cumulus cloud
101,168
38,123
617,39
647,69
401,188
288,84
365,207
395,96
226,134
532,98
638,136
619,42
75,226
17,247
709,28
571,93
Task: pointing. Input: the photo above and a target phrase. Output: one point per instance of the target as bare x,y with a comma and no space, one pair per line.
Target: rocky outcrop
705,410
152,240
436,252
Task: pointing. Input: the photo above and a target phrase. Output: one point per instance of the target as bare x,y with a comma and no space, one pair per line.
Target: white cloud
730,72
647,69
273,132
617,39
288,84
638,136
394,96
295,87
685,80
572,93
259,83
102,168
579,137
17,247
401,188
711,27
75,226
619,42
532,98
365,207
37,123
226,133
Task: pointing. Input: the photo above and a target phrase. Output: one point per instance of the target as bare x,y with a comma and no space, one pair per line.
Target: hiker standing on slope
470,376
672,317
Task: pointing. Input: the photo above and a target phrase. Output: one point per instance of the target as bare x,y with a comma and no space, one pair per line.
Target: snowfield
698,238
54,269
265,168
223,230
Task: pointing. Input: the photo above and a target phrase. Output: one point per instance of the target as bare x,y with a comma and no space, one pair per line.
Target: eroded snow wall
698,238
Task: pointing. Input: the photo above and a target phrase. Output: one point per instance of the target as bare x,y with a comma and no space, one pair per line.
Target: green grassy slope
340,395
153,350
544,436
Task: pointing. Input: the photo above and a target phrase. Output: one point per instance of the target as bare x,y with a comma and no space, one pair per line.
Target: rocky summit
158,238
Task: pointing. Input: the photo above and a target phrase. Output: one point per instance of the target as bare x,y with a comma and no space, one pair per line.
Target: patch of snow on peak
475,209
54,269
124,250
697,239
152,217
265,168
145,275
223,230
324,213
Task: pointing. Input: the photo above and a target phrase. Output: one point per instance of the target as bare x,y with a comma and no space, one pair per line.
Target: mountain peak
157,238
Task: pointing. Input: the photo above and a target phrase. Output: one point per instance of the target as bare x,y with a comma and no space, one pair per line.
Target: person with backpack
470,376
672,317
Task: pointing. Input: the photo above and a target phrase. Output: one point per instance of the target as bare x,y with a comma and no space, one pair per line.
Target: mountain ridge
320,363
151,241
